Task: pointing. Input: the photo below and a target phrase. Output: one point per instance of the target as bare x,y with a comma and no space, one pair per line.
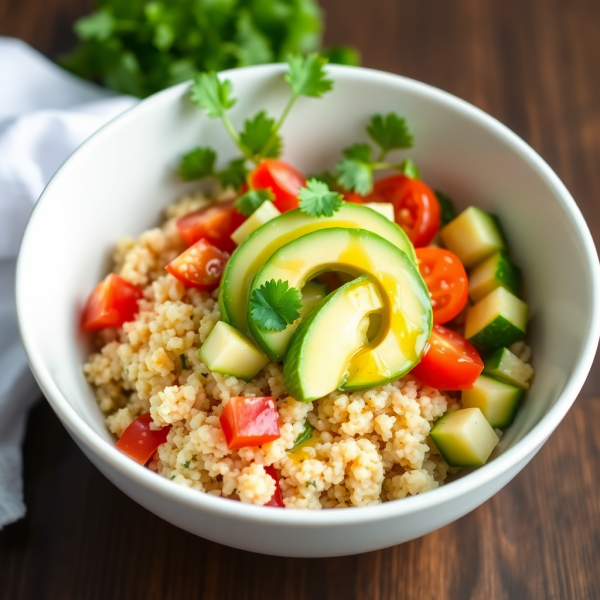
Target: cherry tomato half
200,266
214,223
446,280
354,197
282,179
416,206
250,421
450,362
112,302
139,441
276,499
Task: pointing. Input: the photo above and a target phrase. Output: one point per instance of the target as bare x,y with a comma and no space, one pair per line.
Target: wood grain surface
534,65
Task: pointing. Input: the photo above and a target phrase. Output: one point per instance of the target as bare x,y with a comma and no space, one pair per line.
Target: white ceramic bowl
119,182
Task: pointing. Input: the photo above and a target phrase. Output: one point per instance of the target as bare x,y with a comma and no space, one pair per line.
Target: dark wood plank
533,65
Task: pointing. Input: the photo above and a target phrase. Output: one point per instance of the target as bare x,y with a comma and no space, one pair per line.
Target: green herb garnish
389,132
183,360
317,200
186,464
275,305
304,436
260,137
447,208
251,200
309,483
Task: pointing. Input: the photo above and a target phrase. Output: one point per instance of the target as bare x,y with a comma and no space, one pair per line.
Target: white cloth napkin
45,113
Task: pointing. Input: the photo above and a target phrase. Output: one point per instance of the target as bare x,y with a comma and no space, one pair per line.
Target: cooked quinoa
368,447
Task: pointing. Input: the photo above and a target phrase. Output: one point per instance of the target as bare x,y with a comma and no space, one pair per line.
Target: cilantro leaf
409,169
257,132
234,174
389,132
305,435
212,94
447,208
97,26
251,200
359,152
317,200
275,305
183,360
355,175
307,75
198,163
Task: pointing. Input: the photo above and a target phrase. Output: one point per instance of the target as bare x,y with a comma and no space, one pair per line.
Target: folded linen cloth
45,113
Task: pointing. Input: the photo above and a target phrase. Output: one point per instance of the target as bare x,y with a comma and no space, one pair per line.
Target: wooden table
533,64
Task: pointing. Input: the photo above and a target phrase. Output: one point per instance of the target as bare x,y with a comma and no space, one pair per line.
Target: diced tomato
354,198
416,206
446,280
282,179
450,362
276,499
250,421
113,302
139,441
214,223
200,266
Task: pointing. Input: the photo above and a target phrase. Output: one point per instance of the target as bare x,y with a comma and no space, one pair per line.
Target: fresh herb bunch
140,47
260,136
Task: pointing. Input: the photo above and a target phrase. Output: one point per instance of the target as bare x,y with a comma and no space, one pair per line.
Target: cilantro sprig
317,200
260,137
247,203
275,305
388,132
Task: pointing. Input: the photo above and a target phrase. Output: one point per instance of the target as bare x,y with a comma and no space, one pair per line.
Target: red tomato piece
416,206
449,363
282,179
139,441
200,266
250,421
354,198
113,302
276,499
446,280
214,223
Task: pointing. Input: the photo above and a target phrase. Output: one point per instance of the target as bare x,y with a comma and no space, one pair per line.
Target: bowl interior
120,181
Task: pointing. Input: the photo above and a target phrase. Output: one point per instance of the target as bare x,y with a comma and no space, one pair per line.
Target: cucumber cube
494,272
228,351
383,208
464,438
264,213
497,320
497,400
503,364
473,236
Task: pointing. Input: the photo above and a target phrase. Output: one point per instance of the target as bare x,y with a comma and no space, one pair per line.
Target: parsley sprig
388,132
275,305
260,137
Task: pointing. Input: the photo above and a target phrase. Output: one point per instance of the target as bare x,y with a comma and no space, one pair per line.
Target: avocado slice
406,319
328,338
258,247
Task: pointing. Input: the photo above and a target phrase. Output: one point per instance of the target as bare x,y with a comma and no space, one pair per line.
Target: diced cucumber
503,364
263,214
383,208
473,236
497,400
494,272
497,320
464,438
228,351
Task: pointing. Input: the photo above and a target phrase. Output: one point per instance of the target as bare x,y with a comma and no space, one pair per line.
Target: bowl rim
525,448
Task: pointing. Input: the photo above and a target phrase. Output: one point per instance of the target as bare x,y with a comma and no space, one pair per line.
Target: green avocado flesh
258,247
314,366
406,314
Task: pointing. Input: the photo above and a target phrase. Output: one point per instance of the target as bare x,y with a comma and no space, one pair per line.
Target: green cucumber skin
508,274
498,334
513,413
